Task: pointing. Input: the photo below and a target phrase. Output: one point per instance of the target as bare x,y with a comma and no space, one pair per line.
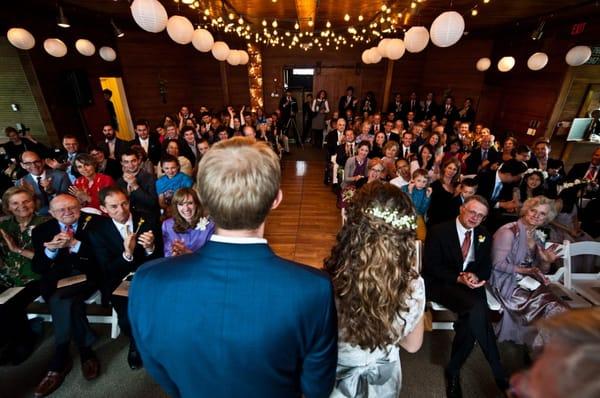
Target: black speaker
78,88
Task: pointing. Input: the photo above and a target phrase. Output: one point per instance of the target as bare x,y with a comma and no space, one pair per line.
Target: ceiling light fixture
62,20
118,32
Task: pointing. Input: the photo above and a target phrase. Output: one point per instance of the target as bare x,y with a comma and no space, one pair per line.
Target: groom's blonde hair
238,180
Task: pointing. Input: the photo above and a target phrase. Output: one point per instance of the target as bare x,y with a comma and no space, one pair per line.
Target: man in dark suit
586,170
456,265
429,107
347,102
448,111
62,250
335,137
377,125
105,165
140,185
113,145
121,244
542,160
483,158
214,301
467,113
288,107
408,148
412,105
64,158
148,141
188,144
346,149
45,183
397,107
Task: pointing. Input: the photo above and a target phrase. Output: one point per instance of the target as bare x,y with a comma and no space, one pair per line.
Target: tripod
291,123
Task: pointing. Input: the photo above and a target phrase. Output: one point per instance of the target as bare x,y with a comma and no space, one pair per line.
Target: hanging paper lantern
447,29
416,39
374,55
365,57
220,50
85,47
395,49
20,38
245,58
483,64
578,55
382,47
55,47
202,40
537,61
180,29
506,63
234,58
107,54
150,15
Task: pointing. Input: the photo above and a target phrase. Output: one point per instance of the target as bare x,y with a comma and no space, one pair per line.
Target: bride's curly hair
372,265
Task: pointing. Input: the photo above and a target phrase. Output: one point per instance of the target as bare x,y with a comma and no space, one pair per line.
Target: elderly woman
15,271
519,264
380,296
189,229
86,188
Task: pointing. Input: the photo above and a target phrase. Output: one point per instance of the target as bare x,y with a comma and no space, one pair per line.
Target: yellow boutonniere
87,220
481,238
139,225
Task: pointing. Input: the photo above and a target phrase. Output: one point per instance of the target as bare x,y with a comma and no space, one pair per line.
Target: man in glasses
46,183
456,265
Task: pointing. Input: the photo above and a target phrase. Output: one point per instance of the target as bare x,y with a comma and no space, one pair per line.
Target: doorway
121,108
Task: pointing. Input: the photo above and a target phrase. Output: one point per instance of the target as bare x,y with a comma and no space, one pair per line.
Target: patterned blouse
15,269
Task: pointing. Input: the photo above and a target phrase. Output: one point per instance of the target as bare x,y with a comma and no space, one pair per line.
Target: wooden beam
224,82
388,83
307,12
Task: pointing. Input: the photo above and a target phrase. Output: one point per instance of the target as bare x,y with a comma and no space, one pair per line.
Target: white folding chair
586,285
334,177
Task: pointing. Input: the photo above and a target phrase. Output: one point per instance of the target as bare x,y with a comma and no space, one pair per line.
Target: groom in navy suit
233,319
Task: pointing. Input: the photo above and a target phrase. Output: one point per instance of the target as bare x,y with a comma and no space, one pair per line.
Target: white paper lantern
180,29
55,47
234,58
537,61
447,29
416,39
20,38
382,47
245,57
506,63
365,57
395,49
220,50
578,55
107,54
483,64
150,15
202,40
85,47
374,55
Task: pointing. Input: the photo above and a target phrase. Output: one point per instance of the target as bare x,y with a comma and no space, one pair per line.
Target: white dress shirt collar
243,240
122,228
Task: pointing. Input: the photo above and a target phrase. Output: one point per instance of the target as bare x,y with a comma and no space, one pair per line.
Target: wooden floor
304,226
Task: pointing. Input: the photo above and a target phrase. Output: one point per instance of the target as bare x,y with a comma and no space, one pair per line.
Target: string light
346,17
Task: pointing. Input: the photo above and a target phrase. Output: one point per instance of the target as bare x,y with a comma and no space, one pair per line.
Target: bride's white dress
378,374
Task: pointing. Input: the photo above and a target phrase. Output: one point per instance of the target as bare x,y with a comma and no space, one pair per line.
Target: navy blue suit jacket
235,320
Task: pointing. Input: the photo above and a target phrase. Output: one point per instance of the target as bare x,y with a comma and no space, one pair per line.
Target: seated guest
434,139
466,189
62,250
122,242
17,143
483,158
188,144
113,145
408,149
140,186
517,253
380,296
420,195
402,173
554,167
378,143
46,183
532,184
456,265
586,170
189,228
171,181
172,148
443,191
145,163
365,129
522,153
390,154
104,164
239,281
508,148
567,365
356,166
424,160
15,271
346,149
455,151
87,186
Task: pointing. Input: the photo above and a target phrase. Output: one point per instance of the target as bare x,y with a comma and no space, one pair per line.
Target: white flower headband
394,218
544,173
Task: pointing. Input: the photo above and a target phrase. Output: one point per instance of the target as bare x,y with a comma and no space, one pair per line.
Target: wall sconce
62,20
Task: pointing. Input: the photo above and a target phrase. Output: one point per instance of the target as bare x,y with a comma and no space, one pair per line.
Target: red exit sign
578,28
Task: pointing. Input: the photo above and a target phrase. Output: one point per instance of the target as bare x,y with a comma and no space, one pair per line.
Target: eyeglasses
377,169
35,162
474,214
64,210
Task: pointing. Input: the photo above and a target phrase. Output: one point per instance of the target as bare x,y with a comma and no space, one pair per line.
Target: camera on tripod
22,129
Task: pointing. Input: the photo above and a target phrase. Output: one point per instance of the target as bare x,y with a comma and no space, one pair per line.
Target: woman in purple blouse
189,229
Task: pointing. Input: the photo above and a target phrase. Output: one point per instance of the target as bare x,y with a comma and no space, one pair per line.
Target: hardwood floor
304,226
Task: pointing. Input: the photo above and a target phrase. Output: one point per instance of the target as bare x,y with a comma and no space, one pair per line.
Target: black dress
439,209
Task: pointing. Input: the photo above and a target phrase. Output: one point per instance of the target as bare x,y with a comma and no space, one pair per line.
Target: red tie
69,230
590,174
466,245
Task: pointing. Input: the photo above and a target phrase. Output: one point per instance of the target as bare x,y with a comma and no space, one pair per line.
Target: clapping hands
178,248
470,279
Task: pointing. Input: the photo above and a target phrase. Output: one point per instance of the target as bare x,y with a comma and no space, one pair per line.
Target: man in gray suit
46,183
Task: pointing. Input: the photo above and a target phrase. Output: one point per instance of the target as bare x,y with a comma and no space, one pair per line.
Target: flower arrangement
540,235
394,218
348,194
481,238
576,183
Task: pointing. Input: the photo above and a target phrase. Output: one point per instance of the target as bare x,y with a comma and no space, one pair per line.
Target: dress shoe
453,389
90,368
52,381
134,359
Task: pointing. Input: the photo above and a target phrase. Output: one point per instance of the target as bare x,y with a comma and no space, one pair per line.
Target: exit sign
578,28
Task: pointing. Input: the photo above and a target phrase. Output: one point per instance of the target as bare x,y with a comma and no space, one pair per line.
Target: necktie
406,153
466,245
484,155
590,174
43,193
496,191
69,230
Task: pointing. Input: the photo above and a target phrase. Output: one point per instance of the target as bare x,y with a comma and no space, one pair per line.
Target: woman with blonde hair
380,296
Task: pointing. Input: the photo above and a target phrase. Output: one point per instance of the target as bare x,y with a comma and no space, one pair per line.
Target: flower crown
393,218
543,172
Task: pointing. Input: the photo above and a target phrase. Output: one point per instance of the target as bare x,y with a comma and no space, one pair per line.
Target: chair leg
114,325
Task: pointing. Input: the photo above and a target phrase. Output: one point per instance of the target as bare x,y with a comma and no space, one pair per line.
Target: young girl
420,195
